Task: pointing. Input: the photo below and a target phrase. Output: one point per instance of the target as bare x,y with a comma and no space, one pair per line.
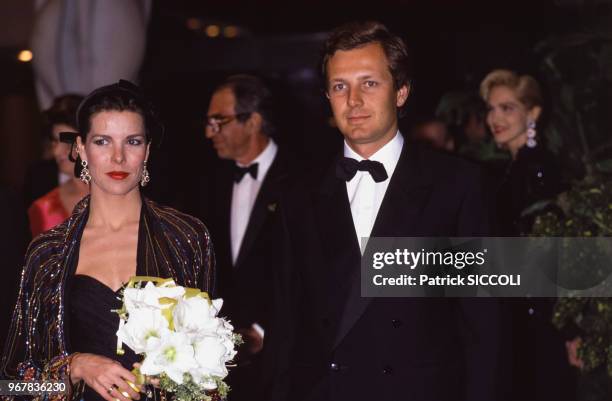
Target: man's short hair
252,96
357,34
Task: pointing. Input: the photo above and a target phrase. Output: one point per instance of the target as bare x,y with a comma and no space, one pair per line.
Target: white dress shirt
244,195
364,194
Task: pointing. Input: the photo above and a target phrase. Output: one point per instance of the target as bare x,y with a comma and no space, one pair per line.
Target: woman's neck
114,211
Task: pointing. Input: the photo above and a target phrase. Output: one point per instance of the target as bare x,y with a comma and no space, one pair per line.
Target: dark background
453,44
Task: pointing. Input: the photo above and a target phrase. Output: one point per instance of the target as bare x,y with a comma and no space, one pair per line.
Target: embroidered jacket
170,244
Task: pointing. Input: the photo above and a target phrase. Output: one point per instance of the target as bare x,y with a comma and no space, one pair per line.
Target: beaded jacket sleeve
170,245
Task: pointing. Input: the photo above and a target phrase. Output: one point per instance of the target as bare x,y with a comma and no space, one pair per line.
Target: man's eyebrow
366,76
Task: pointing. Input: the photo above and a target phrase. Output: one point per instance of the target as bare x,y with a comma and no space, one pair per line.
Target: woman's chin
115,189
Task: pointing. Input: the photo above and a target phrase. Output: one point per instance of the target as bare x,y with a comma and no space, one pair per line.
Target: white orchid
197,317
174,356
211,354
152,296
143,330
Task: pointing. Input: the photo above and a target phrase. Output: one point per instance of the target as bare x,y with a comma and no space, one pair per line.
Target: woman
55,206
63,326
514,104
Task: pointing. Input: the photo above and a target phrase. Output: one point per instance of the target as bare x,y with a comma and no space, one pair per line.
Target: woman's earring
531,134
85,176
144,177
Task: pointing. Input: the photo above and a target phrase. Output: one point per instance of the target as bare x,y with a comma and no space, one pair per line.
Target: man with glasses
240,207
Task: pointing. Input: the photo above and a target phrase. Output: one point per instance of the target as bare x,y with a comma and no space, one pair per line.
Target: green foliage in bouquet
190,391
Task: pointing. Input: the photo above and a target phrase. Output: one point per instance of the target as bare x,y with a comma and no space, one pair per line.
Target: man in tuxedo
240,207
329,343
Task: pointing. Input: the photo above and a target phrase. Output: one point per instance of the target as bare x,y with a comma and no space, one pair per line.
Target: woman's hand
106,376
147,379
572,353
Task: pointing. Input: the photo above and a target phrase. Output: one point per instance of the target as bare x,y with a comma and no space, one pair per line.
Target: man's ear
254,122
402,95
80,148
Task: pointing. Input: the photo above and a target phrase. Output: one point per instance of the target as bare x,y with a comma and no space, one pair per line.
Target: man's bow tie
239,172
347,168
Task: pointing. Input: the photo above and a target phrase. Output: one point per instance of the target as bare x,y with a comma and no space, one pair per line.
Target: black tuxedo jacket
329,343
246,286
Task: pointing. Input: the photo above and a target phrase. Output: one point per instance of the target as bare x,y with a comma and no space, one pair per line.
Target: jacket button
334,367
387,370
396,323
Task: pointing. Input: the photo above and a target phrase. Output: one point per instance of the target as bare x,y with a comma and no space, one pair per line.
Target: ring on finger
133,386
111,389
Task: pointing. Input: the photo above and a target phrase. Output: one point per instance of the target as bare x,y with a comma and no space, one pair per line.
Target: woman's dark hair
62,111
252,95
358,34
122,96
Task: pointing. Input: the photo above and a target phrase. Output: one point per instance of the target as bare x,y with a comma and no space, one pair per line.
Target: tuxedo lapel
223,199
265,205
406,196
398,216
336,230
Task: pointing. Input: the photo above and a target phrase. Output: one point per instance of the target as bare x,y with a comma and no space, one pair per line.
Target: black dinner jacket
246,286
329,343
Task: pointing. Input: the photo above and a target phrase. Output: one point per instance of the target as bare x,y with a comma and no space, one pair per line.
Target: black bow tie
347,168
239,172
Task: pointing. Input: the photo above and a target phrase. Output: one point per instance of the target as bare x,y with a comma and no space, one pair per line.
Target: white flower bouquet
177,329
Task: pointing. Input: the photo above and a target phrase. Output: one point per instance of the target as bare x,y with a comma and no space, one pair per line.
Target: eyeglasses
218,121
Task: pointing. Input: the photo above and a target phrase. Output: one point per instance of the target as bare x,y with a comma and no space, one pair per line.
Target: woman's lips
118,175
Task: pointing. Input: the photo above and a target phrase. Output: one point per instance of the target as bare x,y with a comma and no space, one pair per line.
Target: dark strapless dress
93,325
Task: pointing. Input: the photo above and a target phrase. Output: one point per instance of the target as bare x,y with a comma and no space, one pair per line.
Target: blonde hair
526,87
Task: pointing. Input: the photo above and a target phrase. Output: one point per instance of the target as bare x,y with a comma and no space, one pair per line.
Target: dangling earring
85,176
531,134
144,177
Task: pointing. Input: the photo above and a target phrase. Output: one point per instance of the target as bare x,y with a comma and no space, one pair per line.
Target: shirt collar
388,155
264,159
